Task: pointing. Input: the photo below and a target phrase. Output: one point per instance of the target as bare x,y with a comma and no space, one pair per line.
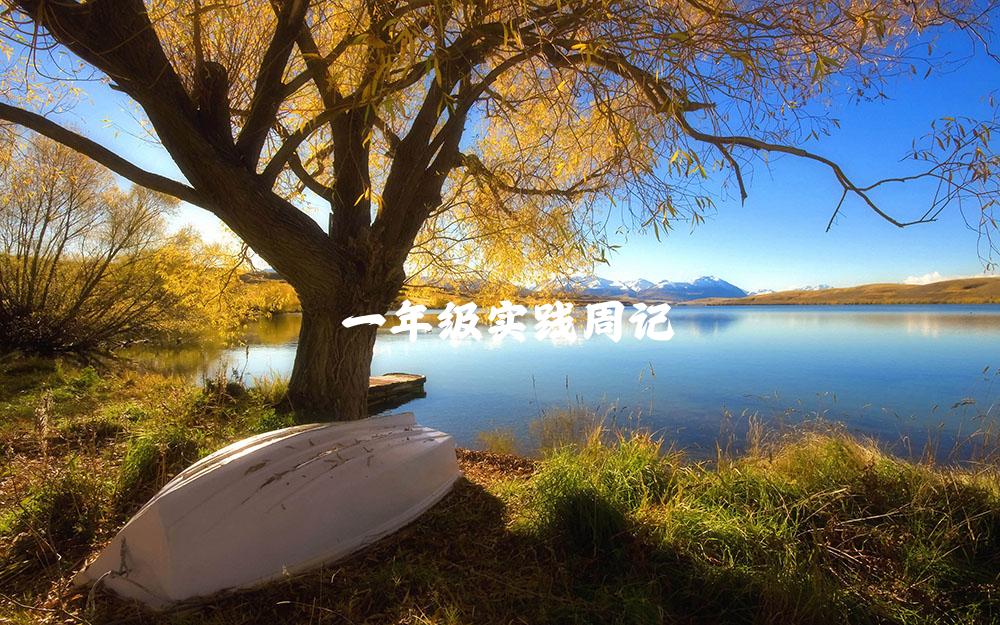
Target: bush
89,266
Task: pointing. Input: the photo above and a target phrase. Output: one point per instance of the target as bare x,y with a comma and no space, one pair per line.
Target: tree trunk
332,365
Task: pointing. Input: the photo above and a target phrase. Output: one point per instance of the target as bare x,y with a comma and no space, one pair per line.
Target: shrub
79,270
89,267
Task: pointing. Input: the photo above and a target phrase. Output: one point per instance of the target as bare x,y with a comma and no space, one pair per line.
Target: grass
499,440
151,458
809,525
83,450
60,514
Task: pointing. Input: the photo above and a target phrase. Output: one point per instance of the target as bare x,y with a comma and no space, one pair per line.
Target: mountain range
646,290
596,287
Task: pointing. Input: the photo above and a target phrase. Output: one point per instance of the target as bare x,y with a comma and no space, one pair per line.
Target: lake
905,374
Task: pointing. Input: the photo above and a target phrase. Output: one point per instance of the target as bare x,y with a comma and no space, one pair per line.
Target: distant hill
965,291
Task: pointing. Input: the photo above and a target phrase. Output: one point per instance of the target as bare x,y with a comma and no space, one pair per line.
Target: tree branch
478,169
666,98
268,91
316,67
757,144
294,140
101,154
307,179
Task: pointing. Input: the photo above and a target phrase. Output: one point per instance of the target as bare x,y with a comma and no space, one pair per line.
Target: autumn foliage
445,137
86,266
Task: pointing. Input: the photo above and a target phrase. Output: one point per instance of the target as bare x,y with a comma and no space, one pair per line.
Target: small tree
369,105
86,267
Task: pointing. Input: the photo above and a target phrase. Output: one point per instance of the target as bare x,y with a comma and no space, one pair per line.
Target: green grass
78,442
58,517
808,526
822,524
584,497
269,390
152,458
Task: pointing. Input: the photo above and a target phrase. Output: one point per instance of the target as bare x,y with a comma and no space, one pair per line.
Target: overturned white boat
276,504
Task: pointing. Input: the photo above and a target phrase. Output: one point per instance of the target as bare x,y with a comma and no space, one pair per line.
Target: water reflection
923,320
704,321
278,330
179,360
894,372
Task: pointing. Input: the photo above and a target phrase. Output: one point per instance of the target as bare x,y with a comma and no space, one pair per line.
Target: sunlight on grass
807,525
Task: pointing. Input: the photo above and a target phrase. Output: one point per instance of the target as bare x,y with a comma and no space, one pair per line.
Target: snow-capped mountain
639,285
760,292
591,285
706,286
646,290
817,287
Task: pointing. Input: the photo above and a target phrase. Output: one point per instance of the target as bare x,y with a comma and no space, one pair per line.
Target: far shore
965,291
984,290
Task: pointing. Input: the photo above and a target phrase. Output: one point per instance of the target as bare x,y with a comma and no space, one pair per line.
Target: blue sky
777,240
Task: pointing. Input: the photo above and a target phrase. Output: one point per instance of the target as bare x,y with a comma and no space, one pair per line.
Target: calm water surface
897,372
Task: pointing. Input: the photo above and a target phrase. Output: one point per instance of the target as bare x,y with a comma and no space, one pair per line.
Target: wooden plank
390,390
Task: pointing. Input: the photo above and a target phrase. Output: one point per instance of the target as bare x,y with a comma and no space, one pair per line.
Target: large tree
495,127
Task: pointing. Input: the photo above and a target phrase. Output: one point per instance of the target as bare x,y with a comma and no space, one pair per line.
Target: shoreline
600,527
748,304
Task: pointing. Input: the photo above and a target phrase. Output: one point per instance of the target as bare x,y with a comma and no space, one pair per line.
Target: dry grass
964,291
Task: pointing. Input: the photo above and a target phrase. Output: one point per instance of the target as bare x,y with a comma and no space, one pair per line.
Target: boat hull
274,505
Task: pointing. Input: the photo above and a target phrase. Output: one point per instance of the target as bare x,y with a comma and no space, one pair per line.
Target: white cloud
935,276
927,278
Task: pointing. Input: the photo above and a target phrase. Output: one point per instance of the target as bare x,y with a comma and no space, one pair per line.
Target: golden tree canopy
517,124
